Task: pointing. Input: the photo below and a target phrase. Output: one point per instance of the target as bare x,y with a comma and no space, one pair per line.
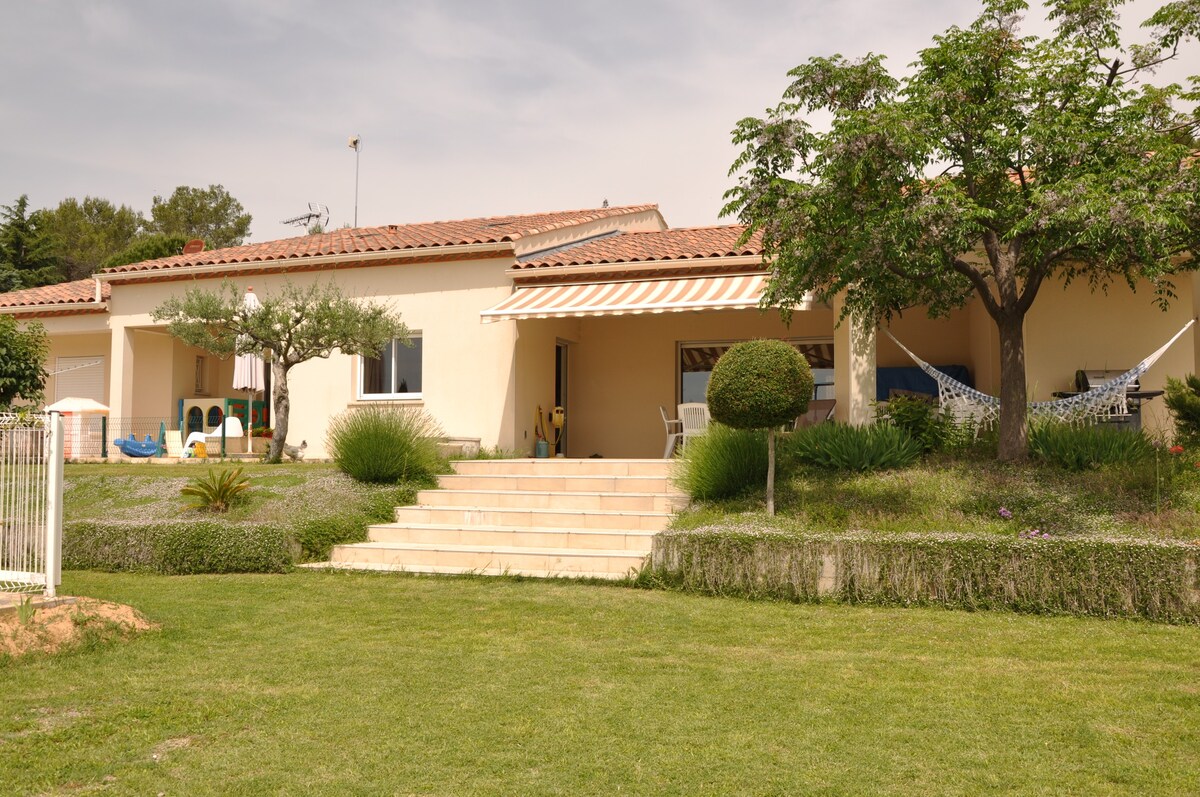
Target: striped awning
718,292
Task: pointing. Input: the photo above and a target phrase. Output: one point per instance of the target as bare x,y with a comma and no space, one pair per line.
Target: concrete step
533,518
565,467
545,499
556,482
498,570
502,559
510,537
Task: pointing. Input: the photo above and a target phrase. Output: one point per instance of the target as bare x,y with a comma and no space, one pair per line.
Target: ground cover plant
359,684
132,516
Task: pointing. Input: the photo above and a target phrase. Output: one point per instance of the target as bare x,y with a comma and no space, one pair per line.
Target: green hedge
1083,576
176,547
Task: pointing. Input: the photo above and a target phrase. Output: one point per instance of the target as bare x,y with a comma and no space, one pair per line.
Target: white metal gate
31,470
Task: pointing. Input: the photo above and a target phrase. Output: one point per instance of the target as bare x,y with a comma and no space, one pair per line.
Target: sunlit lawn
357,684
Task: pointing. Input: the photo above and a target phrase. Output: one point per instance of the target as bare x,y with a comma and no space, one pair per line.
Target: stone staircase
534,517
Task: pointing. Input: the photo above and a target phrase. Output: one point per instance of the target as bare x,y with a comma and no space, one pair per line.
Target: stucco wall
467,366
76,345
623,368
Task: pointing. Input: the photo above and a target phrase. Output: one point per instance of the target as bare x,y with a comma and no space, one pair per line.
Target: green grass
315,502
350,684
948,494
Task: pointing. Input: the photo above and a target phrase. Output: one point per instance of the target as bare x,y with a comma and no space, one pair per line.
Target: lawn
348,684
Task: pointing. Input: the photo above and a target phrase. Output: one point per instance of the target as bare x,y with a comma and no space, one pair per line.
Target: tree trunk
279,410
1013,446
771,471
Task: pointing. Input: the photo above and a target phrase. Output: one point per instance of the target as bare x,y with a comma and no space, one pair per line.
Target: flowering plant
1034,534
1005,513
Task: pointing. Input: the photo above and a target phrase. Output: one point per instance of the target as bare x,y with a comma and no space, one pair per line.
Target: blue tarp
916,380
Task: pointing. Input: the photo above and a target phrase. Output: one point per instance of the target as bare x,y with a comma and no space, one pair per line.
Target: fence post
54,509
104,437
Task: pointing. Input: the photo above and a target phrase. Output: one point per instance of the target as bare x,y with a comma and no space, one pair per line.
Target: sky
464,109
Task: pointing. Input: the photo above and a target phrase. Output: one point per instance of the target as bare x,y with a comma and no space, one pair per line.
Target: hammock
1110,398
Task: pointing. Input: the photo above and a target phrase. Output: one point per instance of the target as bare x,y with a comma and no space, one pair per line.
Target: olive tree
1001,161
292,326
760,384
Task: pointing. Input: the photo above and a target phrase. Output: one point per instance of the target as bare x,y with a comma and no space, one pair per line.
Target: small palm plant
217,492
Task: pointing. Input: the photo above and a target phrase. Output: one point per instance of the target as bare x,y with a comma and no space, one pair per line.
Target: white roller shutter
80,377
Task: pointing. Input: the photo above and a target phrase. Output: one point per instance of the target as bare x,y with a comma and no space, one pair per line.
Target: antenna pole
356,145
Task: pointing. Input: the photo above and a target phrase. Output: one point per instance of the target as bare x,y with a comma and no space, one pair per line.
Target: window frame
361,393
795,341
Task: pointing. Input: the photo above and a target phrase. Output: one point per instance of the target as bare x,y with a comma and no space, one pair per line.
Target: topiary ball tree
760,384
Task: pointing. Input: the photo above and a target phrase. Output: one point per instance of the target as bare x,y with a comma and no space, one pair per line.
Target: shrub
216,492
1082,447
316,536
723,462
176,547
385,445
1085,576
918,416
759,384
1183,400
855,448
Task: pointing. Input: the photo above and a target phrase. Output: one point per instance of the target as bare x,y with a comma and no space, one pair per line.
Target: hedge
1082,575
177,547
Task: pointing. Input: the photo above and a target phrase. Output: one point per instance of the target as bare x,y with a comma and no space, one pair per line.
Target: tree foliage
208,213
27,254
1001,161
148,247
85,234
760,384
23,355
292,326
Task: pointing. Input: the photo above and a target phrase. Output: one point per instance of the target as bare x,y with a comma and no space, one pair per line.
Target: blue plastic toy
132,447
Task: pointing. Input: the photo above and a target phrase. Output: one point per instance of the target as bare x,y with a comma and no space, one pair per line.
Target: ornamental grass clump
723,462
1085,447
854,448
217,492
385,445
760,384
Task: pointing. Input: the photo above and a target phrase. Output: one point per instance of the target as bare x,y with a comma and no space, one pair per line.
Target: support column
120,389
853,368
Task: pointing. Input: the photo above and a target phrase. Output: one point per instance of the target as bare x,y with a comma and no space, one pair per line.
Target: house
607,312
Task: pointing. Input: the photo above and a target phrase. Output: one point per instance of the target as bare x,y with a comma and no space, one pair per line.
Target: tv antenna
318,213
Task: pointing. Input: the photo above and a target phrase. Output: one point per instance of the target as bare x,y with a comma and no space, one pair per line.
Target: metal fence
31,468
100,437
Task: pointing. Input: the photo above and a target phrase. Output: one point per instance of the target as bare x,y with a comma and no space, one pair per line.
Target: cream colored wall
1074,328
622,368
468,380
536,341
943,341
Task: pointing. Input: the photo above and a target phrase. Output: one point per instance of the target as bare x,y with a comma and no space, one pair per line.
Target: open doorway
560,393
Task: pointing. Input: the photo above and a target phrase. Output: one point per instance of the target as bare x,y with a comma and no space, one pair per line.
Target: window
394,375
696,361
201,384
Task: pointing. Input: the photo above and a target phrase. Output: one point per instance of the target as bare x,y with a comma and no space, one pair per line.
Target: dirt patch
66,626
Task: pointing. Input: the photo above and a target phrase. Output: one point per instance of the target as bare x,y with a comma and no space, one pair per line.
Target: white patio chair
694,419
674,429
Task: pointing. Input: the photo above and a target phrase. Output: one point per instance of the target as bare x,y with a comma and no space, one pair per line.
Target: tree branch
978,280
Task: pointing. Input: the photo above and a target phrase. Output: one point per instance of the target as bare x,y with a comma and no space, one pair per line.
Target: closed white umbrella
248,368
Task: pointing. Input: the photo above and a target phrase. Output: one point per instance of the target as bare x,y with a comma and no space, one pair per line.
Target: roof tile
79,291
495,229
685,243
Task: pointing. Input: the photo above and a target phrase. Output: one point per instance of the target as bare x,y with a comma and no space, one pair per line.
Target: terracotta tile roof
685,243
49,295
496,229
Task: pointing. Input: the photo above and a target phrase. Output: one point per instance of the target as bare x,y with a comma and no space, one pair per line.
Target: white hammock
1110,398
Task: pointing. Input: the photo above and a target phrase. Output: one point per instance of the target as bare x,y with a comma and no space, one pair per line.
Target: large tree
208,213
85,234
28,257
1000,162
23,353
147,247
293,326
